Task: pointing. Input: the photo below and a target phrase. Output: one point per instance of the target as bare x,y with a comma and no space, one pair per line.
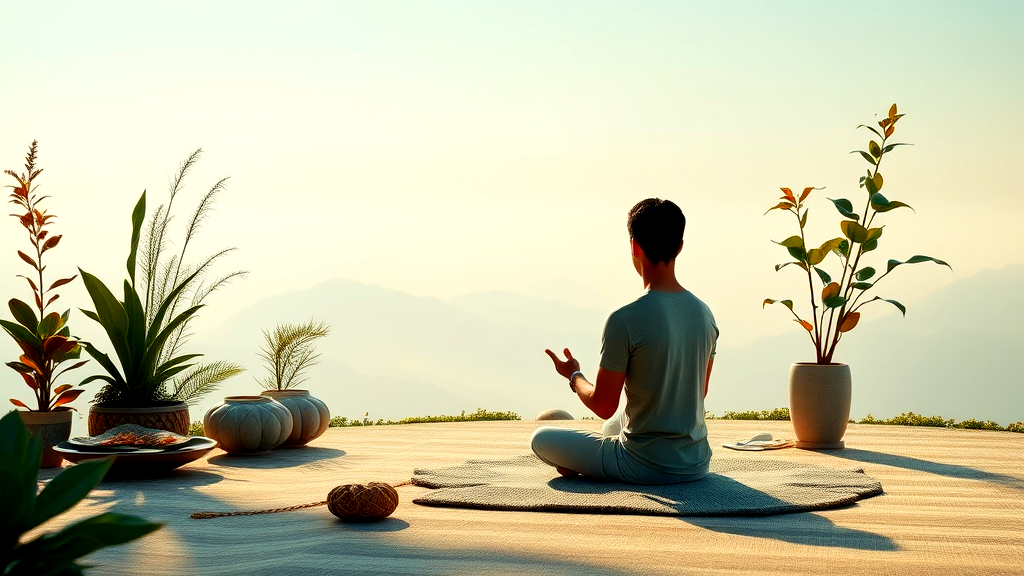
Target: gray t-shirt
663,342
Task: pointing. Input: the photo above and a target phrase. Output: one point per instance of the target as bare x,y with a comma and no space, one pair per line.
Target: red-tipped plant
44,339
841,301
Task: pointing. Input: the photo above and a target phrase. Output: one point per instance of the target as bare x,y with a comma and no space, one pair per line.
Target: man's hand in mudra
567,367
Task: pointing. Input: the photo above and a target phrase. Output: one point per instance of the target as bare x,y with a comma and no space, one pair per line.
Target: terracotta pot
819,404
51,428
172,416
310,415
248,424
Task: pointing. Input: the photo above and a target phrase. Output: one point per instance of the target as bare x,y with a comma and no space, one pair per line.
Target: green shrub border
905,419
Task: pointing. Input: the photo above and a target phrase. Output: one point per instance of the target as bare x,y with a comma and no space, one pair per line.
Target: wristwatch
572,378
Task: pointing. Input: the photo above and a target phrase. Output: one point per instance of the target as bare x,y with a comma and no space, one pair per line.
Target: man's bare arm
603,397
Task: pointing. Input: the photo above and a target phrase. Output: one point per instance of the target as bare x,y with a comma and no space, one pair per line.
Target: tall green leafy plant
45,339
148,327
841,299
138,343
26,508
289,352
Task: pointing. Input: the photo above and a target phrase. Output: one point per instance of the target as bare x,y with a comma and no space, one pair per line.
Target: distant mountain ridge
955,354
395,355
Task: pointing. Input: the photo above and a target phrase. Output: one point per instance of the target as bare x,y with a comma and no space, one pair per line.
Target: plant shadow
281,458
939,468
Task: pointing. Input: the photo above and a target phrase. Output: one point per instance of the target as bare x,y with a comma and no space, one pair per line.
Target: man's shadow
749,512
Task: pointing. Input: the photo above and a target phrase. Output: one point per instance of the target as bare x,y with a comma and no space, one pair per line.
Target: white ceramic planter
310,415
248,424
51,428
819,404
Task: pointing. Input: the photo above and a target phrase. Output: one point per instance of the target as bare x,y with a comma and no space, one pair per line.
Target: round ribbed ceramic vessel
248,424
310,415
51,428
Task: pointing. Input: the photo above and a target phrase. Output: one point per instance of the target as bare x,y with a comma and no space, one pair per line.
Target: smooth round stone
554,414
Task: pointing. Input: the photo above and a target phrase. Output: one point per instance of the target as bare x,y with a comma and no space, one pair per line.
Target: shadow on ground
948,470
280,458
803,528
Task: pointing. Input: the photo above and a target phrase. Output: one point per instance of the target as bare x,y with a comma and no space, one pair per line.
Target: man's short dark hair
657,226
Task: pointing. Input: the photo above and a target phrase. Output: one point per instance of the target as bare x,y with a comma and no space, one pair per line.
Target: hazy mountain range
394,355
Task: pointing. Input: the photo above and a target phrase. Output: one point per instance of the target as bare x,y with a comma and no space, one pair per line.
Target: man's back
663,342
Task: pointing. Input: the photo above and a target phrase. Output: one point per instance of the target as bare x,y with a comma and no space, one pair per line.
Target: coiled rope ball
355,502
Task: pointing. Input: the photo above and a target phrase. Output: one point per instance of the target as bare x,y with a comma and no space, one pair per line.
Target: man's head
657,227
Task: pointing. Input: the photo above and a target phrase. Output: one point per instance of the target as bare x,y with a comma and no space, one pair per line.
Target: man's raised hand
566,367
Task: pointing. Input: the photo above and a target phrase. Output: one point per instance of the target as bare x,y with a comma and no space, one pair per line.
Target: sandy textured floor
954,504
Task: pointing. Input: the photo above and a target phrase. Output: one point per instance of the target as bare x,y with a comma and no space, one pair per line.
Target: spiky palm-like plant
289,352
161,307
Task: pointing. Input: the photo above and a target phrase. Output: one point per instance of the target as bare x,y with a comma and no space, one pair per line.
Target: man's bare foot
566,471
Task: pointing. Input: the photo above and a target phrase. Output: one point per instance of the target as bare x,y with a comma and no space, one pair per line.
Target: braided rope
207,515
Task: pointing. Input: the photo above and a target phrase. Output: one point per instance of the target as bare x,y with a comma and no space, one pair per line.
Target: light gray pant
599,455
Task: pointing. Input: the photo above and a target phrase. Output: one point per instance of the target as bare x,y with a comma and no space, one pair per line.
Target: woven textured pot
248,424
310,415
51,428
171,416
819,404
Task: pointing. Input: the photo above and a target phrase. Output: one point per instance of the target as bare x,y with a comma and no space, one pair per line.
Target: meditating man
660,349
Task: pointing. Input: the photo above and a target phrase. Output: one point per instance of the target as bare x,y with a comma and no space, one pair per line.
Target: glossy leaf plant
44,338
836,299
26,508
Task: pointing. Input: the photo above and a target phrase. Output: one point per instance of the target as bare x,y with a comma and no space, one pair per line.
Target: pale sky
440,148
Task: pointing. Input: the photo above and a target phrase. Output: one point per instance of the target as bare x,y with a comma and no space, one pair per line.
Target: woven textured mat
736,486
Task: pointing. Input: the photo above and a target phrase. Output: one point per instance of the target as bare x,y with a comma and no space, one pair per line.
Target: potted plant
820,391
288,352
44,338
26,507
154,381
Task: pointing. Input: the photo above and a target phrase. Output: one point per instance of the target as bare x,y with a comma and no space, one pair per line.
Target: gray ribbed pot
819,404
248,424
310,415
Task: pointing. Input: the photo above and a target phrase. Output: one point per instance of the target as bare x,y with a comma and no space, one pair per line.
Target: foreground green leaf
87,536
68,487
